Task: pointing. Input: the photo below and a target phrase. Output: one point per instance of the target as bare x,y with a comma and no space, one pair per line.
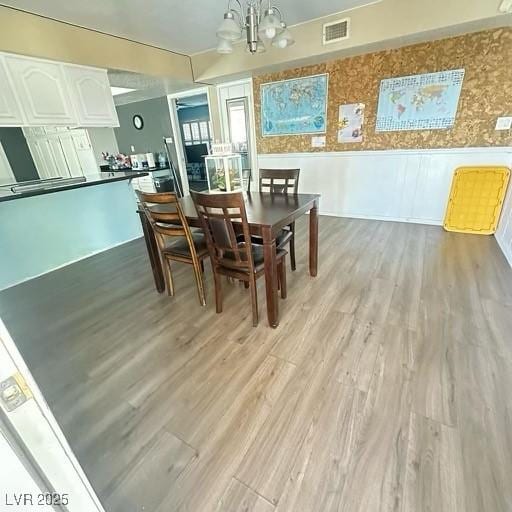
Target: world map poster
419,102
296,106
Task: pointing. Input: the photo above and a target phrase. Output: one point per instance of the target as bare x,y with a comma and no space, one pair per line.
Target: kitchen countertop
6,193
148,169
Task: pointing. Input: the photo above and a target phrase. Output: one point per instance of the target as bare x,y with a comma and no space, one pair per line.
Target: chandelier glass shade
261,24
229,29
224,46
284,38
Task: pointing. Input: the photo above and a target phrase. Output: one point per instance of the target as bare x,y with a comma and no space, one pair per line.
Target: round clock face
138,122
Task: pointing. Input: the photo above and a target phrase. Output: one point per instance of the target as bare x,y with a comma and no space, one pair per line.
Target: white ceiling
184,26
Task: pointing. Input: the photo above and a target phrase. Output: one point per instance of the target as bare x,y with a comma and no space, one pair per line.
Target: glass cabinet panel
224,172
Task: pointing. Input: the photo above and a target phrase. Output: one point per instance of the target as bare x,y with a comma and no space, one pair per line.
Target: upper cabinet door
10,110
91,93
43,91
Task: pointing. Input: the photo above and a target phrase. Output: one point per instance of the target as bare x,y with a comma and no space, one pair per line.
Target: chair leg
254,301
292,246
281,270
199,282
218,291
168,276
246,284
202,265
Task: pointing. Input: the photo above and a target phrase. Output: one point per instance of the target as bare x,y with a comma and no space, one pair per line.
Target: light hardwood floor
387,386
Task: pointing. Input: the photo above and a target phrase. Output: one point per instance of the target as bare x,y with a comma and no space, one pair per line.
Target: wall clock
138,122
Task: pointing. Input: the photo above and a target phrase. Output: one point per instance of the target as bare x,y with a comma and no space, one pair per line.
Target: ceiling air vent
336,31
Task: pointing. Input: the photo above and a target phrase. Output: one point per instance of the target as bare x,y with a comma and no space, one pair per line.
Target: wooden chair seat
181,247
282,239
258,257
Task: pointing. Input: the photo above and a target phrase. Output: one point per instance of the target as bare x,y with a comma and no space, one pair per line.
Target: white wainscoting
401,185
504,232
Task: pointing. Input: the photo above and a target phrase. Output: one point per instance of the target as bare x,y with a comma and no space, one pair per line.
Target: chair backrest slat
222,217
279,181
166,217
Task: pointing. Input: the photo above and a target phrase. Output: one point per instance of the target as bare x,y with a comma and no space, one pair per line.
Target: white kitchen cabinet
84,152
10,109
52,170
70,154
61,165
65,153
34,131
6,174
37,157
37,92
42,91
53,129
91,95
43,158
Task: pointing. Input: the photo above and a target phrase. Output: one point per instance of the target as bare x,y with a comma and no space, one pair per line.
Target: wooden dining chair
224,221
284,182
170,223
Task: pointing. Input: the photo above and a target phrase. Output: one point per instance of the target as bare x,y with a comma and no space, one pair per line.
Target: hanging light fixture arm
276,9
237,12
261,21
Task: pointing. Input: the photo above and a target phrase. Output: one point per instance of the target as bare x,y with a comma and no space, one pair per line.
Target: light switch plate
318,141
503,123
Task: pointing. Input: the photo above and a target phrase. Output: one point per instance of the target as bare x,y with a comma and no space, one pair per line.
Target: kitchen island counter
9,193
49,228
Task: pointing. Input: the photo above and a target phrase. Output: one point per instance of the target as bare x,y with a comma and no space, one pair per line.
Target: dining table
267,214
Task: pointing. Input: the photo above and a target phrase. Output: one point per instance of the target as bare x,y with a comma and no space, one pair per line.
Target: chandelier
263,24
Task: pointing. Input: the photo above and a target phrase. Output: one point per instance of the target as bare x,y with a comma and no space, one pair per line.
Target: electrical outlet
132,148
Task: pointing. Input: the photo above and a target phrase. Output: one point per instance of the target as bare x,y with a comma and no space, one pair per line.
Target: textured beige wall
32,35
486,57
389,23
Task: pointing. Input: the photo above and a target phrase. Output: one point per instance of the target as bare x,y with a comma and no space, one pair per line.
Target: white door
10,110
6,174
70,154
43,169
43,91
85,152
45,150
48,458
21,487
90,90
199,131
236,108
58,157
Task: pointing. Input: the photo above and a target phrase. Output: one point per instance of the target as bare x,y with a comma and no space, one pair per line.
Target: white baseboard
428,222
70,263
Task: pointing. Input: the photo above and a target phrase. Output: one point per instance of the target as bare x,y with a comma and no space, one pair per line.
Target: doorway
238,124
194,135
236,109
